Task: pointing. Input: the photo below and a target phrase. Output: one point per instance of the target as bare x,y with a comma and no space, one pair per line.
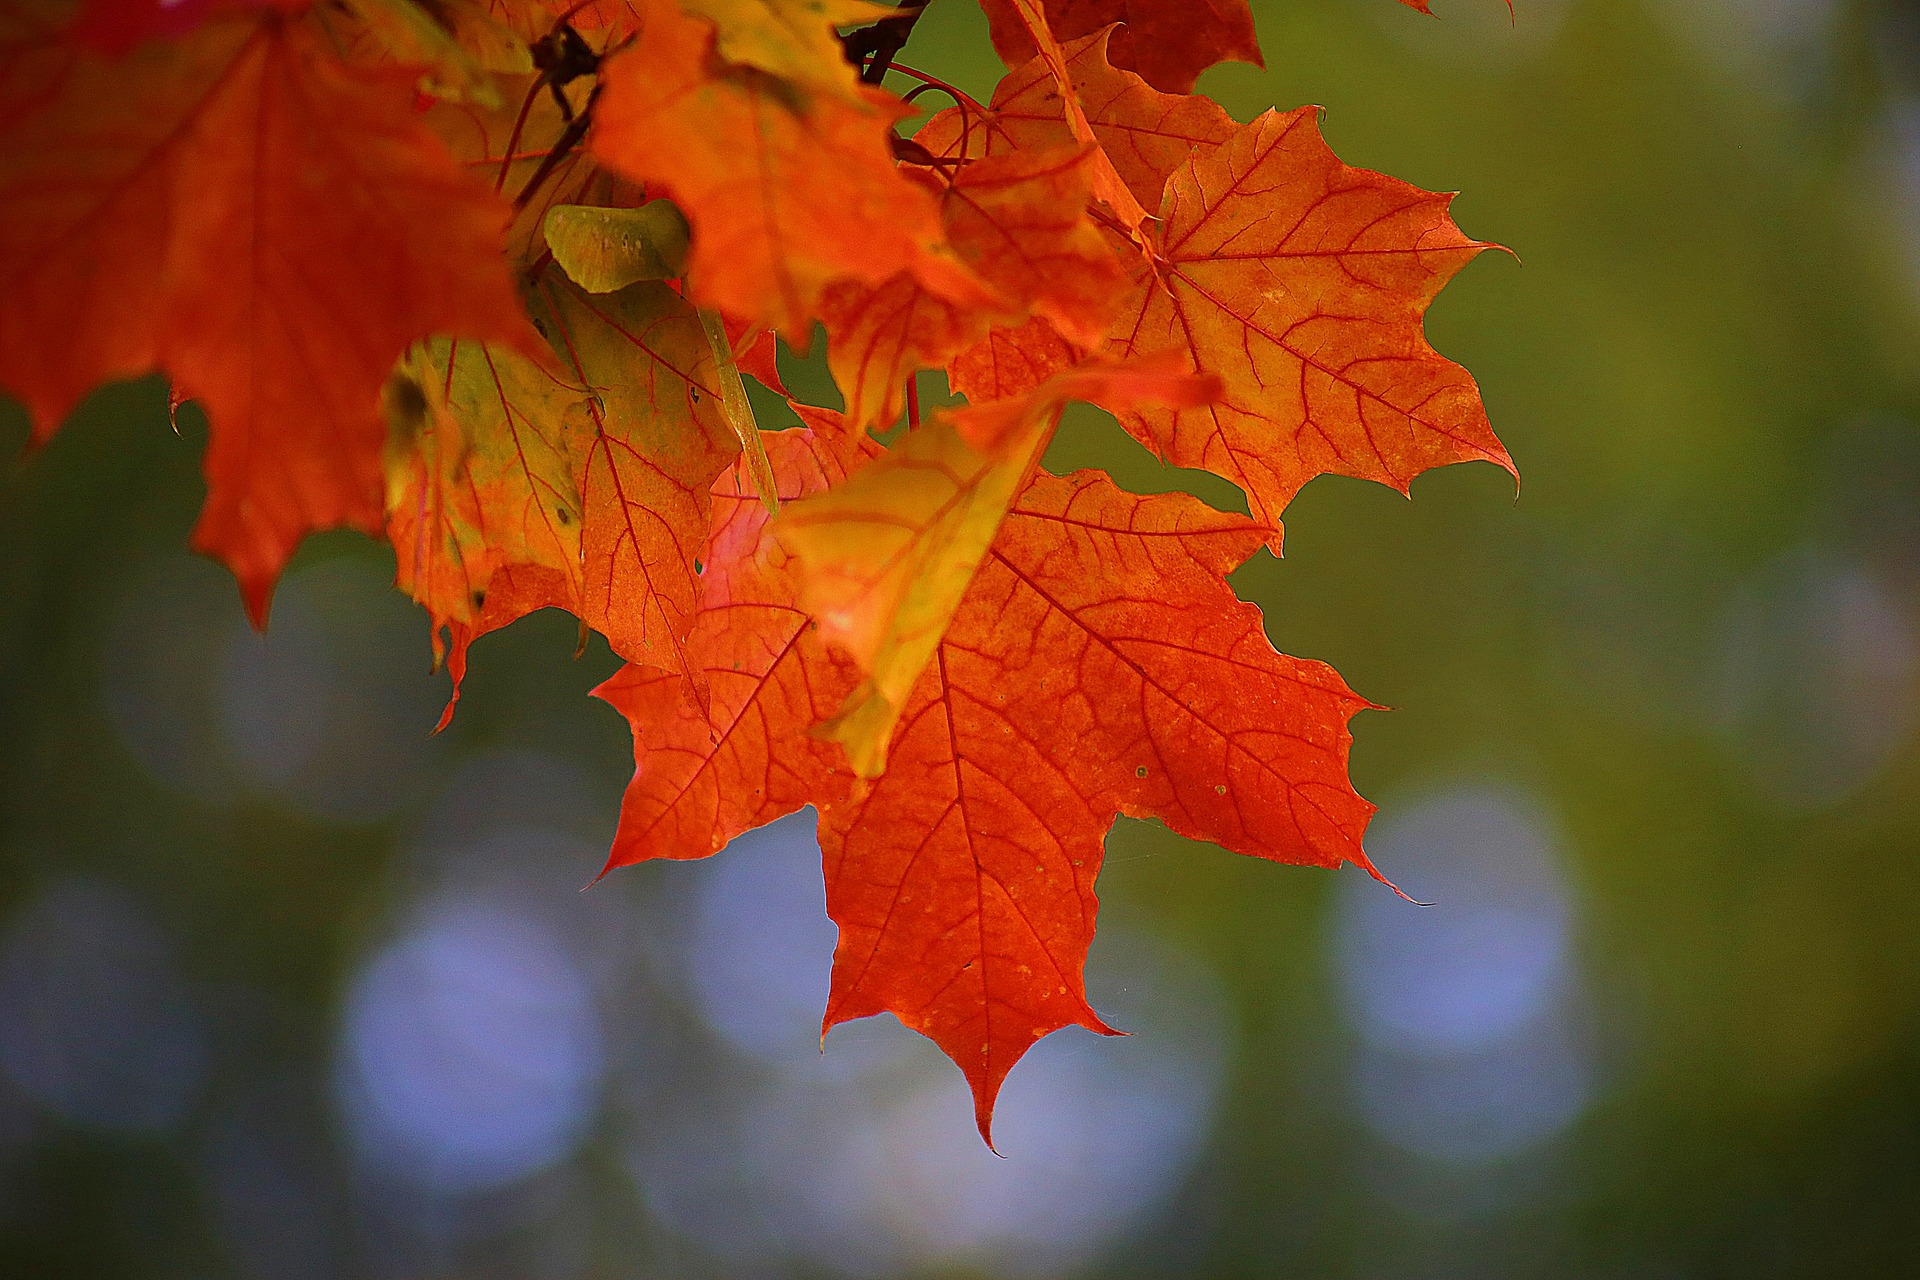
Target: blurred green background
290,989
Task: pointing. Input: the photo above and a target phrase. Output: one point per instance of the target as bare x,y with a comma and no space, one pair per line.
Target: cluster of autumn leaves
483,277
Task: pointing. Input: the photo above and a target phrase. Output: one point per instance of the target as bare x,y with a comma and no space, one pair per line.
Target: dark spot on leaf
479,599
1141,772
405,402
563,515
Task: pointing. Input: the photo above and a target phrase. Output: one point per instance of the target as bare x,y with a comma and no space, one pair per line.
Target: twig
872,49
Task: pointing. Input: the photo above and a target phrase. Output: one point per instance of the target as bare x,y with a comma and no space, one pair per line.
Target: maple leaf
1146,134
1019,221
1302,283
1097,665
787,189
235,208
589,483
1169,42
702,778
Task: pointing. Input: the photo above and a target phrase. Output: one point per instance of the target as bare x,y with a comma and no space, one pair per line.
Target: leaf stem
872,49
738,411
575,131
967,101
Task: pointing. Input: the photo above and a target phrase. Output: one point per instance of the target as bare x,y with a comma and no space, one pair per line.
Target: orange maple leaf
1302,283
788,188
266,224
1098,665
1019,220
1169,42
1146,134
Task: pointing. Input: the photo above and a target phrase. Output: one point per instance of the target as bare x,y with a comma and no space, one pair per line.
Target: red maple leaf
1302,283
1169,42
1098,664
265,223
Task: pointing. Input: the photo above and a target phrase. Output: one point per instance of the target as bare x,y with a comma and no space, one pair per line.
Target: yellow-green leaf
580,482
479,473
604,250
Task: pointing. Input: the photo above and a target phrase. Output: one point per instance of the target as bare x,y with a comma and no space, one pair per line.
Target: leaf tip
1366,864
613,860
983,1120
256,597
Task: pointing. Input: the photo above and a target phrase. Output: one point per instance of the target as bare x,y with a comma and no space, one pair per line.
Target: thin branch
872,49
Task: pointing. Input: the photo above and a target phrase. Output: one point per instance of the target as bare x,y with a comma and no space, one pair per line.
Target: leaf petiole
739,411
